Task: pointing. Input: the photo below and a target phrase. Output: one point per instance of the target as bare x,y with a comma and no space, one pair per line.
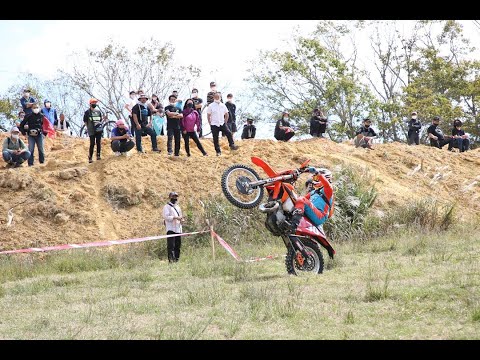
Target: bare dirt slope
67,200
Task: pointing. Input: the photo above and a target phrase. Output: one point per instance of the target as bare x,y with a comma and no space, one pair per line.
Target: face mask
15,136
36,110
94,106
173,201
285,118
26,95
414,117
48,105
213,88
217,101
189,105
194,95
132,96
230,100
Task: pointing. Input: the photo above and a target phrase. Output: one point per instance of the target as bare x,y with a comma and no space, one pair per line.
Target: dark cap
172,194
194,90
143,97
248,119
436,118
367,119
27,90
213,84
132,92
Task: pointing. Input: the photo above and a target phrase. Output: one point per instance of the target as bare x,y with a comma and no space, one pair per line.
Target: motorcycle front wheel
235,186
313,265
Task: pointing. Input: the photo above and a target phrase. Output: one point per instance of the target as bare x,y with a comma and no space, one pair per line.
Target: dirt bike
244,188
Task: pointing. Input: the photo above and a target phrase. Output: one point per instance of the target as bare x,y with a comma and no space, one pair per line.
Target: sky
222,49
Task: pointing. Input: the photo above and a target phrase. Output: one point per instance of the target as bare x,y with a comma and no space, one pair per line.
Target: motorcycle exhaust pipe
267,209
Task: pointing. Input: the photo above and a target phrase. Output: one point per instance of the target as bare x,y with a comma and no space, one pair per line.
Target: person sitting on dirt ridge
249,130
364,135
121,138
460,139
436,136
317,205
283,130
14,150
32,126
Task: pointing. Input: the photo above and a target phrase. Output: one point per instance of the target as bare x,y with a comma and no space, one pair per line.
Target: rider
317,205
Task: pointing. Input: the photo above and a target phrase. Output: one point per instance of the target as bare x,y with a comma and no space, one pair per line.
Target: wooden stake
213,242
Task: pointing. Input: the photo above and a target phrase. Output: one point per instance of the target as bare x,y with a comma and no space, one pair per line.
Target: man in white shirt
173,223
217,115
130,103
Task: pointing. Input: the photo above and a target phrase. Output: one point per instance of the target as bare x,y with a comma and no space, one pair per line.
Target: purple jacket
190,119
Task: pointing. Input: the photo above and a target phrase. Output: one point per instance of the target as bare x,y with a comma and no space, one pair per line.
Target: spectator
283,131
318,123
156,105
211,93
142,117
460,139
49,112
198,106
217,114
232,117
190,120
249,130
179,103
158,120
21,116
14,150
364,135
62,125
414,126
436,136
131,102
93,120
121,138
27,102
32,126
173,219
173,125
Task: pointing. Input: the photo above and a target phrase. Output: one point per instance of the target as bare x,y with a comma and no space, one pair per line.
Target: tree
313,75
110,73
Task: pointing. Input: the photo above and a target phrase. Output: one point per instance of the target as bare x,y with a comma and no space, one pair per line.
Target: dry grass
403,287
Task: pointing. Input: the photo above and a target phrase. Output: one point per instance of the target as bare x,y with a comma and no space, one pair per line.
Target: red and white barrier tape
226,246
235,255
98,243
263,258
128,241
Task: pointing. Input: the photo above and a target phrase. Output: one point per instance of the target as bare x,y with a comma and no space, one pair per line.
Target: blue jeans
146,131
32,140
14,158
463,144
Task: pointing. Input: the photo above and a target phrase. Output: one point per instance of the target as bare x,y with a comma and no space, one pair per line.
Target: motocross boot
297,215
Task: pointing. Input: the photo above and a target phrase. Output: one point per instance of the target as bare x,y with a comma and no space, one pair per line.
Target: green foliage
354,195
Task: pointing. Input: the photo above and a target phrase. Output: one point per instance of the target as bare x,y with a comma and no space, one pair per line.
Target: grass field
411,286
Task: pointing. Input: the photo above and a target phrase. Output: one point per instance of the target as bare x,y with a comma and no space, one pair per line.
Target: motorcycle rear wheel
234,189
316,265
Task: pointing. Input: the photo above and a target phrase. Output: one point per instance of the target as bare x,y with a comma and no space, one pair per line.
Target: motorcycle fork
297,245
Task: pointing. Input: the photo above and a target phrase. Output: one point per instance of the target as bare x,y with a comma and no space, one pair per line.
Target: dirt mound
67,200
